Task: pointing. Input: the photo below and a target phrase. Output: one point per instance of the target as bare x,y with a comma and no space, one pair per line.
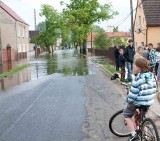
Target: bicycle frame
139,116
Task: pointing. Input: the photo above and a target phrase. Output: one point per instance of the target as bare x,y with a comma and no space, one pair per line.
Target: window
19,48
142,44
136,45
26,33
22,32
18,32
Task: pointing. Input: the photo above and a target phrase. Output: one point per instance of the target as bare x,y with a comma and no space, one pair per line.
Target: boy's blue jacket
143,90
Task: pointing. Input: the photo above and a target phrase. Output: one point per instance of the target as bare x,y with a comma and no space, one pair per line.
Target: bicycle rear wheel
149,130
117,125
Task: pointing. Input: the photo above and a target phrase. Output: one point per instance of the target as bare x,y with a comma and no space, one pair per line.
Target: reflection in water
66,62
15,79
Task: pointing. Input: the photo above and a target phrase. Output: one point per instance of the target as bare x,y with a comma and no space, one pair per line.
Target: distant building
147,22
112,35
32,35
14,41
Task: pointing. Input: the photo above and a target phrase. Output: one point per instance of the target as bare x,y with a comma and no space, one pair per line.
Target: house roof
152,12
12,13
119,34
110,35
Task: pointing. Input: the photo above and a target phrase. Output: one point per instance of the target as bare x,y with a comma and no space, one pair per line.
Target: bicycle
145,127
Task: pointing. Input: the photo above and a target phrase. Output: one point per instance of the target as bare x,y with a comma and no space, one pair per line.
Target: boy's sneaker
133,138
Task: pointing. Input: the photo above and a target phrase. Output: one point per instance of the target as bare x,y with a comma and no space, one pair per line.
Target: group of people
144,66
126,57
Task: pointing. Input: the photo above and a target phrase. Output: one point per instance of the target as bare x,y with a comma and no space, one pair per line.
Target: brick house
147,22
14,31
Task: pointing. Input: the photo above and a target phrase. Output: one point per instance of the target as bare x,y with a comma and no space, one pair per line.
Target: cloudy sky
25,9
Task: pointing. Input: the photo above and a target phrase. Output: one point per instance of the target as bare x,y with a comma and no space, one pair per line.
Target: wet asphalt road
50,109
58,107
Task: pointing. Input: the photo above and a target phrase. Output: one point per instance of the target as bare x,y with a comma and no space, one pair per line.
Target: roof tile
152,12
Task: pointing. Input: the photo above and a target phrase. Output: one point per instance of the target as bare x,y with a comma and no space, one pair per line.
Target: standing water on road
63,62
66,62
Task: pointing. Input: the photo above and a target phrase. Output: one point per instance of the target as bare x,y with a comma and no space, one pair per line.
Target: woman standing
157,55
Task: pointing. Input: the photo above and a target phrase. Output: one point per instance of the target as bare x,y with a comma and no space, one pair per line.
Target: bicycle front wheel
118,126
149,130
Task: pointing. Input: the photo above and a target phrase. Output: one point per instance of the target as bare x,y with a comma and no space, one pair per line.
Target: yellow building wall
148,35
154,35
140,38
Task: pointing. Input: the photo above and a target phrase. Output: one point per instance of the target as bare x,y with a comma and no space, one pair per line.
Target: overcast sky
25,9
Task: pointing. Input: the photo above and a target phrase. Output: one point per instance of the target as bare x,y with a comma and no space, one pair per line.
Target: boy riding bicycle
141,93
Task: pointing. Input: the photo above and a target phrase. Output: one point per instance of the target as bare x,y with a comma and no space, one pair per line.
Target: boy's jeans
129,69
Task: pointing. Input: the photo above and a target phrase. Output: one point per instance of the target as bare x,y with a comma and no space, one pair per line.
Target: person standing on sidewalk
129,55
157,54
145,53
116,56
139,53
122,61
152,56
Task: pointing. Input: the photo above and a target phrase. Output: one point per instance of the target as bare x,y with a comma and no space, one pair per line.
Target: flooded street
49,106
63,62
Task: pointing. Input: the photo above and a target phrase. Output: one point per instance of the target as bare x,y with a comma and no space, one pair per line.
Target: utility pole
35,19
91,44
132,26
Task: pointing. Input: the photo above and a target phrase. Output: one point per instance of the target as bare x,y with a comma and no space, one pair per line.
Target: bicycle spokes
148,132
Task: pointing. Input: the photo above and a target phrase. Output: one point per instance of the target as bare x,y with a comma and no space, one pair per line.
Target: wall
140,37
8,32
154,35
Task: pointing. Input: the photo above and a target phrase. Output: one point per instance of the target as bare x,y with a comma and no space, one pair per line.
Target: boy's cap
130,40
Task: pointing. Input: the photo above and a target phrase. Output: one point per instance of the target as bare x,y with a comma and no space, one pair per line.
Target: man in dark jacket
129,55
116,56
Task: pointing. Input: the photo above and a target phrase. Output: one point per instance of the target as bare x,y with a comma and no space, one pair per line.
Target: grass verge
106,64
14,70
108,67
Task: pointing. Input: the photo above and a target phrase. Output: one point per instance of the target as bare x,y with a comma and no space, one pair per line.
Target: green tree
41,27
124,41
102,41
117,41
96,28
82,14
49,33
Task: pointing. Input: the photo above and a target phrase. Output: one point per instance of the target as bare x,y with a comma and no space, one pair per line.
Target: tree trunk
84,51
48,49
80,49
52,49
